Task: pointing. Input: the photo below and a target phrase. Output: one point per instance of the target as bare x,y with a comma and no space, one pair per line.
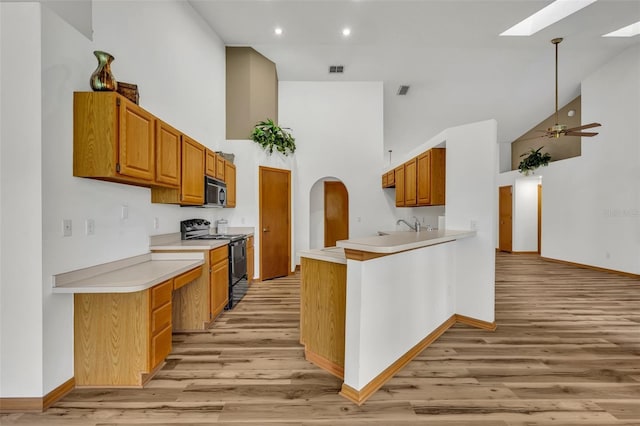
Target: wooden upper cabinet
193,159
210,163
251,91
432,177
220,168
192,165
420,181
230,179
113,139
167,154
399,178
384,180
137,141
391,179
410,176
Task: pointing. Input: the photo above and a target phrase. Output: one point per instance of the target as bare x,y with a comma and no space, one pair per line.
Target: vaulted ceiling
459,69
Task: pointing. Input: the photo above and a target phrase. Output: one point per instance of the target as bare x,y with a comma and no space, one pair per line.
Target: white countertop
329,254
397,241
178,245
127,275
391,242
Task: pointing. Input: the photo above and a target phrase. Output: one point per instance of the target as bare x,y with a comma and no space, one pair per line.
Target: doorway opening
328,213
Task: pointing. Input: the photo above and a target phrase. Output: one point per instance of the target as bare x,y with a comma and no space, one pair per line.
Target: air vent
402,90
336,69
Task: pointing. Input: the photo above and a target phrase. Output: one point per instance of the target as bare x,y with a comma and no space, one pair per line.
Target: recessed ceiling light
546,16
346,32
278,31
628,31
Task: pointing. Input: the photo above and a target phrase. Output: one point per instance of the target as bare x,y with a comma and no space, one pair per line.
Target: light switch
67,227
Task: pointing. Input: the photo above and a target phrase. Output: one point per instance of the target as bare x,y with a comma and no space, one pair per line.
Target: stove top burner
198,229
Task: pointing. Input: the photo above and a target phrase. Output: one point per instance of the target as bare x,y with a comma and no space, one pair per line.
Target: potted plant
269,135
533,160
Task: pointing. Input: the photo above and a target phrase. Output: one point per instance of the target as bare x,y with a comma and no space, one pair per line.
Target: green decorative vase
102,79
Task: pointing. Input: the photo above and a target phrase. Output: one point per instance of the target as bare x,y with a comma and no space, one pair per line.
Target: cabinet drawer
219,254
187,277
161,294
160,318
160,346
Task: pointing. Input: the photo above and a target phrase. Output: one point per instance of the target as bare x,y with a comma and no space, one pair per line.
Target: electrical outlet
156,223
90,227
67,227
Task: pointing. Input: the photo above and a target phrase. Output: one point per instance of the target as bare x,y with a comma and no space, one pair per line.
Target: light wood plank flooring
566,352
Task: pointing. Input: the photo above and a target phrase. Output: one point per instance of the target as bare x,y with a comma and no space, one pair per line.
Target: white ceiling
448,51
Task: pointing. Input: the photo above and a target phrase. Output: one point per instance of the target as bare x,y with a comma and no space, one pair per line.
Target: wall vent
336,69
402,90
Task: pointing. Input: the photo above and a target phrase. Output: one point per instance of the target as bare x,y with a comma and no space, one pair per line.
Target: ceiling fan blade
580,133
586,126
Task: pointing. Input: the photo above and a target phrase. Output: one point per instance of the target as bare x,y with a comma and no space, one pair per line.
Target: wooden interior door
275,222
505,218
336,213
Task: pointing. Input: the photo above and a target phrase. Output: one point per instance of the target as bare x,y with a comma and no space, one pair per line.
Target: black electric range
198,229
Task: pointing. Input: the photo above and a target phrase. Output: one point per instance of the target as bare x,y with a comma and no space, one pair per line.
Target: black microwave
215,193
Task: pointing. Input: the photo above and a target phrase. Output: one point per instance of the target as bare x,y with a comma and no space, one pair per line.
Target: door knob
265,229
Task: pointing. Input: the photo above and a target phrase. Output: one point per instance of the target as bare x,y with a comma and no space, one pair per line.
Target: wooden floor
566,352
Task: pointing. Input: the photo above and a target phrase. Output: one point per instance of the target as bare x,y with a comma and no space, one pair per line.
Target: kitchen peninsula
370,305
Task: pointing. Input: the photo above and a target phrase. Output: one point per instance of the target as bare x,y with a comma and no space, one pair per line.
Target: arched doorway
328,213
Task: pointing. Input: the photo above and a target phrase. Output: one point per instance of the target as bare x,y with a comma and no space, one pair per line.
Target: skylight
628,31
546,16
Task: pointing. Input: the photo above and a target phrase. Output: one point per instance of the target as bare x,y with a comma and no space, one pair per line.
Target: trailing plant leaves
533,160
269,136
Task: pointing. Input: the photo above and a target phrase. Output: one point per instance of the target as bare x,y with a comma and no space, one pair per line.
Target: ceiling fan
558,129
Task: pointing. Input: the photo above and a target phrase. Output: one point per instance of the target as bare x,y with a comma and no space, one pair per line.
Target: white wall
472,161
591,205
179,66
525,214
21,319
338,130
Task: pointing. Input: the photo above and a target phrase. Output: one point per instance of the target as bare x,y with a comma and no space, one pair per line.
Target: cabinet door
219,280
384,181
220,167
136,147
438,176
391,180
210,164
399,178
192,172
410,174
424,179
167,154
230,179
160,347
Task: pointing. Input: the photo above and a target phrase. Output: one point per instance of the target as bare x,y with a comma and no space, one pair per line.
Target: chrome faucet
415,227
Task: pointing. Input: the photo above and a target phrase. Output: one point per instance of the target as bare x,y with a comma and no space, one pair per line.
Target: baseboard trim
594,268
25,405
524,252
473,322
360,396
325,364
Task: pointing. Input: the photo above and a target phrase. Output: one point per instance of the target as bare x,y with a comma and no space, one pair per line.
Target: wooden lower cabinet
323,295
121,339
219,279
250,260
